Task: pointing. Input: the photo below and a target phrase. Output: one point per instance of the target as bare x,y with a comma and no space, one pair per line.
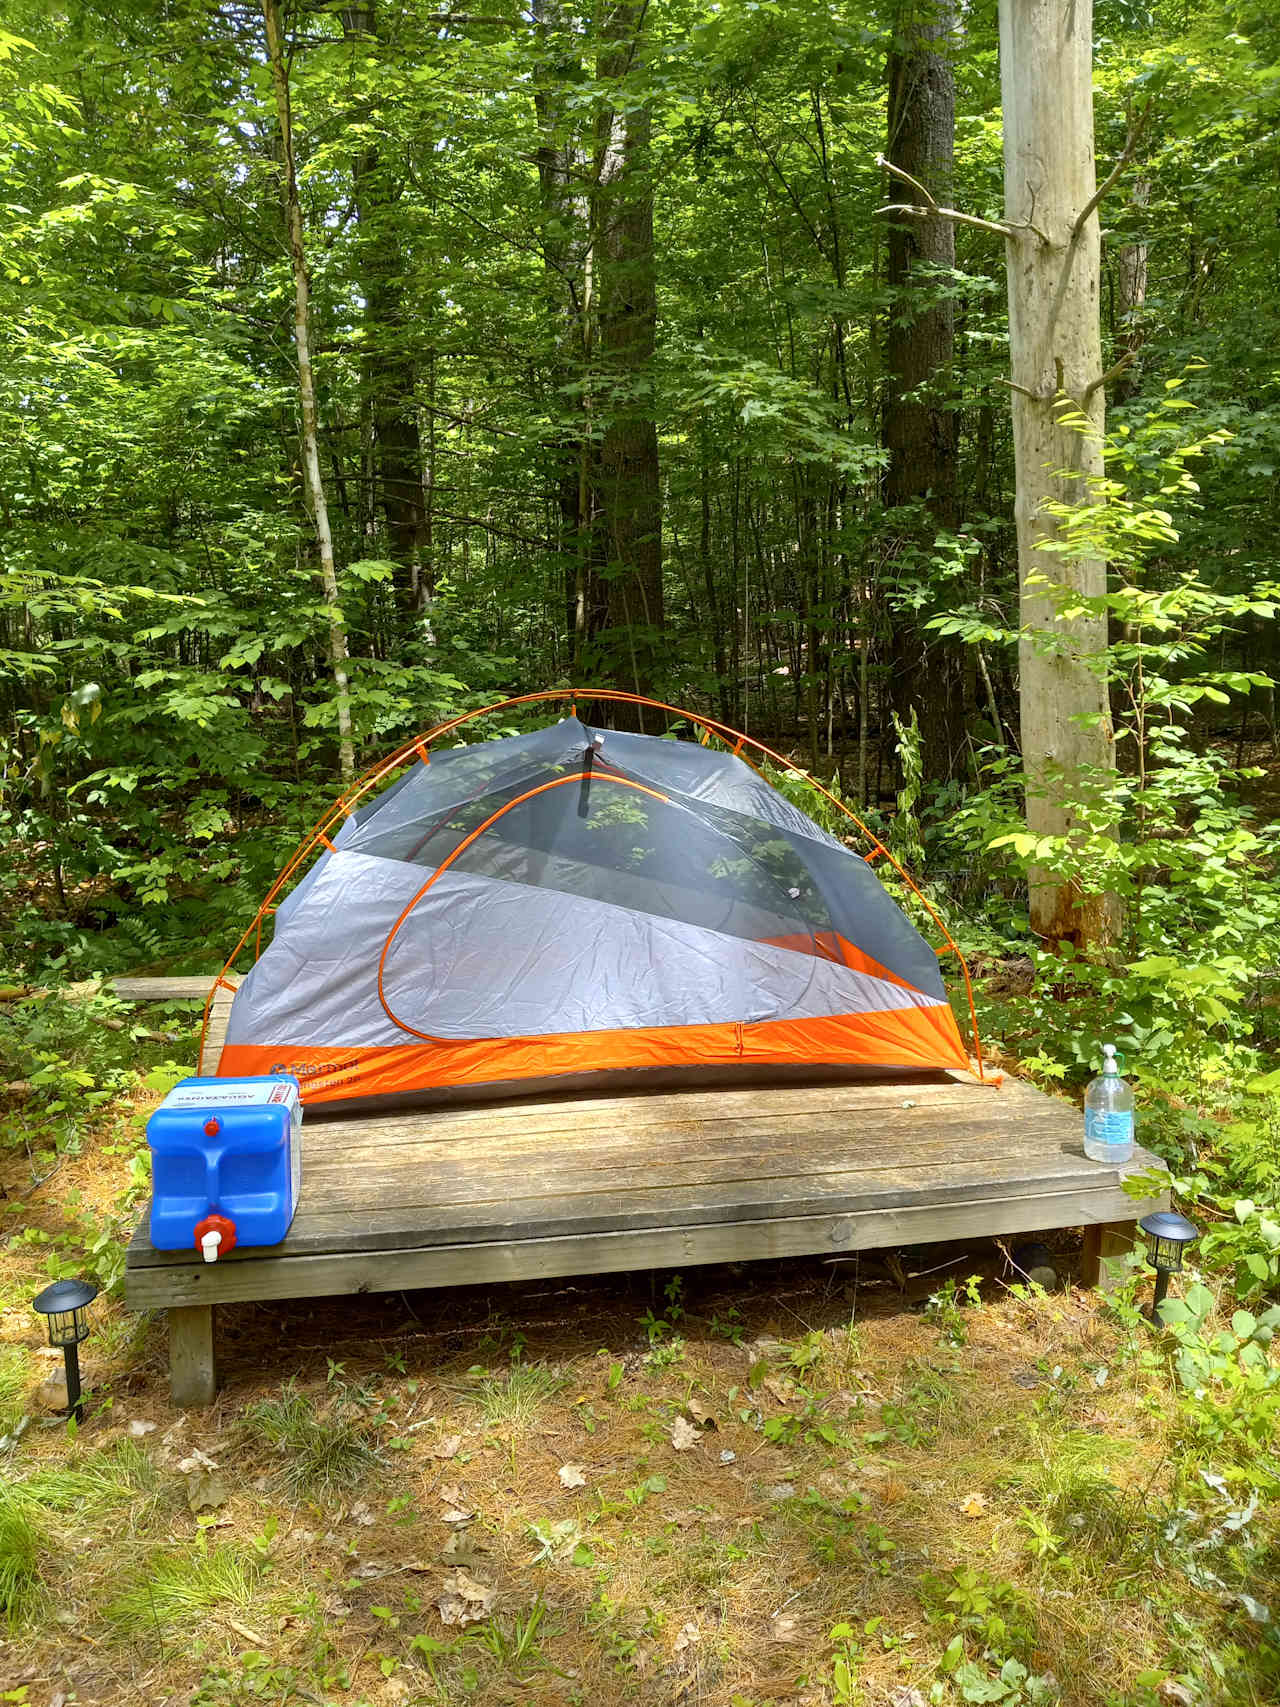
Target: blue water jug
226,1162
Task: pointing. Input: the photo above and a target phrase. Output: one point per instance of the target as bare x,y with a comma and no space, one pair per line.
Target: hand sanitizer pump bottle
1108,1113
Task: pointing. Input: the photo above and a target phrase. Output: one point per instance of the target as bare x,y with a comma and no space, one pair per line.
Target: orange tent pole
464,844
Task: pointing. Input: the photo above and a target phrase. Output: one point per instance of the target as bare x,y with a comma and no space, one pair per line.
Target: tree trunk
306,387
1046,53
627,502
1131,300
919,422
390,365
567,275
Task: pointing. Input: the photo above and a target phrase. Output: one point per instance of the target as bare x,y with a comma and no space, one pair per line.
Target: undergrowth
320,1454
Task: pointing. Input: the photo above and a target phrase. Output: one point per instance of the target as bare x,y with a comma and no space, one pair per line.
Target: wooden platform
589,1185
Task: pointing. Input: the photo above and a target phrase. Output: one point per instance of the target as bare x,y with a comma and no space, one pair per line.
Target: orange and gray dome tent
581,907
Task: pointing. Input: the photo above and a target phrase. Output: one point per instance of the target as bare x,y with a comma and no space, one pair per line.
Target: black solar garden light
64,1305
1167,1234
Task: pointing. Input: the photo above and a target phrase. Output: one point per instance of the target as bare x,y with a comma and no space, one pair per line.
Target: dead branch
1023,391
1125,361
1126,155
933,210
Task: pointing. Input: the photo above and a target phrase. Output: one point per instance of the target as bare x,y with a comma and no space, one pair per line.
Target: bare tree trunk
1046,57
919,423
628,496
307,391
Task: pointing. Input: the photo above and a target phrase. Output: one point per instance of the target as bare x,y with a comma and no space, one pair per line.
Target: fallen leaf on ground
449,1447
782,1629
464,1599
693,1519
197,1461
573,1476
137,1428
205,1491
973,1505
250,1636
361,1514
728,1456
907,1698
461,1548
700,1414
1177,1694
689,1634
684,1434
456,1509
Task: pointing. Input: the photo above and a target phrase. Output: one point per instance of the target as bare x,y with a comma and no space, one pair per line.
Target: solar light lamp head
1168,1235
64,1306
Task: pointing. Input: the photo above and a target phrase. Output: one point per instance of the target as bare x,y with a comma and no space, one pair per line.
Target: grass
964,1530
180,1588
15,1378
903,1503
98,1484
322,1455
516,1400
22,1544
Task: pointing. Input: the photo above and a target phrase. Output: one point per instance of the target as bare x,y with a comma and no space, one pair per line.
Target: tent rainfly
581,908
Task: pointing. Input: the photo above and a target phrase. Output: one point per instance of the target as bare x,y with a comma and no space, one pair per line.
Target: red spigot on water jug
215,1236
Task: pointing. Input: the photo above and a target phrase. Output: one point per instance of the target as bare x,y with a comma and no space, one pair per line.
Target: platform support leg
1106,1244
193,1371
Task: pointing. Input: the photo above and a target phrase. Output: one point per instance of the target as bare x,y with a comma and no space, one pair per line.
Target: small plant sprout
1167,1234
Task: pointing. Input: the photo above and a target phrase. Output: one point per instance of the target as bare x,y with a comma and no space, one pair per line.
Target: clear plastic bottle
1108,1113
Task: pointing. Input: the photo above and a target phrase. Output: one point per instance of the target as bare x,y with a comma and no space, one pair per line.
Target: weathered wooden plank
543,1145
165,989
456,1185
635,1121
632,1190
193,1369
602,1253
382,1219
639,1109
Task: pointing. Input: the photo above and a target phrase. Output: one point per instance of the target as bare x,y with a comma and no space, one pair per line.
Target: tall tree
1052,242
306,385
919,429
627,503
563,232
390,346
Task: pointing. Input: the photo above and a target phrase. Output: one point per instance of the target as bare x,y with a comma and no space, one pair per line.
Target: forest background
621,374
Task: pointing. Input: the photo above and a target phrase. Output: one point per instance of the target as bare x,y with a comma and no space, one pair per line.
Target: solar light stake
1167,1235
64,1305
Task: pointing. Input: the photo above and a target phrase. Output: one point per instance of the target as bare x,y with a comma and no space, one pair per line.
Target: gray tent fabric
572,901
